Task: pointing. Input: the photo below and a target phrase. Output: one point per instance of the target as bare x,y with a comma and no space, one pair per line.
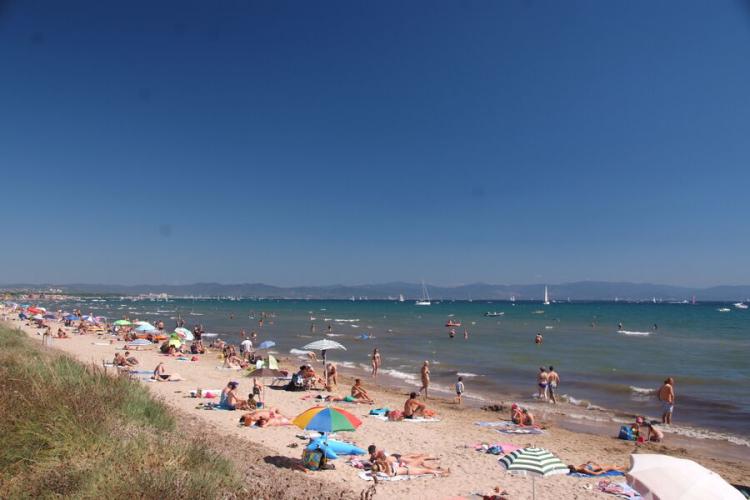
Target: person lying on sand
265,418
593,469
403,465
160,374
359,392
415,408
61,334
336,398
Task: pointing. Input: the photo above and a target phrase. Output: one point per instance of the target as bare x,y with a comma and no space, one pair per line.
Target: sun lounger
281,380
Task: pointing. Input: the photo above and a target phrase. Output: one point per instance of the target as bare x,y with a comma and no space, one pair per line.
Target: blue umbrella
146,327
266,344
71,317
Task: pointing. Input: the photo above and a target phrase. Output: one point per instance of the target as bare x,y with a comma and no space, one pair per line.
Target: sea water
601,364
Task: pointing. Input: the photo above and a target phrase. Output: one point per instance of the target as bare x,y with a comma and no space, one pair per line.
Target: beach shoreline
452,438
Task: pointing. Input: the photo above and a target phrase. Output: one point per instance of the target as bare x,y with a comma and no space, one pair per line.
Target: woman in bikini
161,375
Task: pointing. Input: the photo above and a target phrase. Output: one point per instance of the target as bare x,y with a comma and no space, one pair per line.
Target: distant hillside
581,290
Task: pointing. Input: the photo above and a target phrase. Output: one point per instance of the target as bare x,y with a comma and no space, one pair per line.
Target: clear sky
352,142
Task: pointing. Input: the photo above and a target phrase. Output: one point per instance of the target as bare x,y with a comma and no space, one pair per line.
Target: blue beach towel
611,473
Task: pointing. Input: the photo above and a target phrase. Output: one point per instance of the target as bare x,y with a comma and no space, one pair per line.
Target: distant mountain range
580,290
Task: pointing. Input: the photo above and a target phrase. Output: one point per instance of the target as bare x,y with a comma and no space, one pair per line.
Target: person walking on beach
666,396
459,390
375,362
425,372
541,380
553,379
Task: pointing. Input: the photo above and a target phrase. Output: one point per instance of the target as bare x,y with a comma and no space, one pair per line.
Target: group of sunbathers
411,464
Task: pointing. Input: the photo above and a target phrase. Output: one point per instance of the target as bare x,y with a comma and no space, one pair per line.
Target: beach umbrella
661,477
266,344
37,316
326,419
71,317
122,322
184,333
533,462
324,346
34,310
145,327
139,342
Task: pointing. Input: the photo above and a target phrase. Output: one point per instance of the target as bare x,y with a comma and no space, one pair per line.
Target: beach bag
626,433
313,459
379,411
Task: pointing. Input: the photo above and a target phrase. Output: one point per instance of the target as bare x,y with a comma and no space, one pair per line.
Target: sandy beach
452,438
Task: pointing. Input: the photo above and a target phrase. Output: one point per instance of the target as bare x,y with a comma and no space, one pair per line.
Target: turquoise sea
705,350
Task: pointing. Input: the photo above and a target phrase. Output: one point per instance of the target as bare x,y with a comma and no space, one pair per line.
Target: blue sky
351,142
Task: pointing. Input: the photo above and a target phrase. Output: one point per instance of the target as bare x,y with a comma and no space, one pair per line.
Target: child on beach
459,390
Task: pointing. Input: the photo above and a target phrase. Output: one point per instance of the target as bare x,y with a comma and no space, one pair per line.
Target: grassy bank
70,430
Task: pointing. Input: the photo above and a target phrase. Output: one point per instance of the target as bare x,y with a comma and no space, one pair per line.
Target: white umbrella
323,346
145,327
184,333
533,462
661,477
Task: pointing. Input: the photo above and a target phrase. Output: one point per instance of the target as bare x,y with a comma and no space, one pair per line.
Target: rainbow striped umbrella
326,419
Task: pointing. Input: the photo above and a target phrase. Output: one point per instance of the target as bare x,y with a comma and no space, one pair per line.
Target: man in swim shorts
413,407
666,396
553,379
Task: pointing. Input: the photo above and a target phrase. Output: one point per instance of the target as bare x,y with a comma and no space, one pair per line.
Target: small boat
401,297
425,300
740,305
546,296
724,310
493,314
450,323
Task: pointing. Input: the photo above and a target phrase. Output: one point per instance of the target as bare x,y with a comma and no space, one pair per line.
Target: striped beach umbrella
326,419
533,462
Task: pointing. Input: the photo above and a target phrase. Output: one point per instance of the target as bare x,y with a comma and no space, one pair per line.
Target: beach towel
494,424
520,430
611,473
367,476
622,490
417,420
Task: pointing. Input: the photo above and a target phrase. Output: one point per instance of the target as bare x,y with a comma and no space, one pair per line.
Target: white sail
425,300
401,297
546,296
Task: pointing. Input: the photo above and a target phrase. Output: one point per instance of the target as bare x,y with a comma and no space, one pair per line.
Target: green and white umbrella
533,462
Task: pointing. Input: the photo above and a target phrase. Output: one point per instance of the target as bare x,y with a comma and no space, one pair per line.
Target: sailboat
546,296
400,297
425,300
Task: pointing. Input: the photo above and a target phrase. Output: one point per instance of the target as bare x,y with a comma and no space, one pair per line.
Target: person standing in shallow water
376,361
553,380
666,396
541,380
425,372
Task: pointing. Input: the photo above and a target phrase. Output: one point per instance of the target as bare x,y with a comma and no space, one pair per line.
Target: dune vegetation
71,430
